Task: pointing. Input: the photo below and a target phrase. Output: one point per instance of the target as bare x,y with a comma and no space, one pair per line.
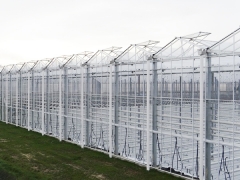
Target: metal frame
174,107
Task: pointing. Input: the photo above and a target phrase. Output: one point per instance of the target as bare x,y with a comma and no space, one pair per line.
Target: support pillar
82,108
180,107
28,123
201,122
87,106
16,100
6,102
148,116
208,115
10,93
47,102
116,109
60,105
33,100
238,94
43,85
20,98
65,103
154,112
209,107
110,112
191,90
2,98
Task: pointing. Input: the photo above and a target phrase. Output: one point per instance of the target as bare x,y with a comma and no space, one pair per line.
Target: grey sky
38,29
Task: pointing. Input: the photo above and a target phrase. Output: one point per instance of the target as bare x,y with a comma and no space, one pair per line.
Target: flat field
29,155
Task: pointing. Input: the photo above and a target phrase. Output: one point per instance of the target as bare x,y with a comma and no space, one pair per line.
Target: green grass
29,155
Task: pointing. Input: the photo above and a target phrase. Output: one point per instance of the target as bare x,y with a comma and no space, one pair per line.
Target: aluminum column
148,115
110,112
6,102
201,140
116,109
208,117
60,105
28,123
20,98
87,106
16,100
65,103
47,101
2,98
33,100
82,104
10,93
43,85
154,112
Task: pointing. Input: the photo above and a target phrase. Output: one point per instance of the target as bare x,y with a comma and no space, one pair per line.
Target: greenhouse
173,107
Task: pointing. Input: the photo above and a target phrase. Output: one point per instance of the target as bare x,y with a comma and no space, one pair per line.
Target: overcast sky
38,29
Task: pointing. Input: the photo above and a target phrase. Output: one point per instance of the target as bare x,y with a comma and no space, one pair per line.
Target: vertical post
1,97
43,103
197,89
6,114
208,94
190,96
167,91
16,100
28,125
65,102
110,112
87,106
238,93
47,102
180,96
130,86
148,115
33,100
20,97
201,140
216,97
116,109
162,96
184,88
60,105
138,86
82,104
10,93
154,113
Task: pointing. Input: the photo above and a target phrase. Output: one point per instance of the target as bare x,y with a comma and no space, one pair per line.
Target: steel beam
33,99
82,108
20,99
43,85
209,114
110,112
201,122
65,103
87,105
6,102
16,100
2,97
47,101
154,112
148,117
116,109
10,93
60,105
28,121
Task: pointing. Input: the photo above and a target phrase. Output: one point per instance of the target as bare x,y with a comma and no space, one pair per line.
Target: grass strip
29,155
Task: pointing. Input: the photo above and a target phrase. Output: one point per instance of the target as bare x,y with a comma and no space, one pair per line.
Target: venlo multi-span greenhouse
174,107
